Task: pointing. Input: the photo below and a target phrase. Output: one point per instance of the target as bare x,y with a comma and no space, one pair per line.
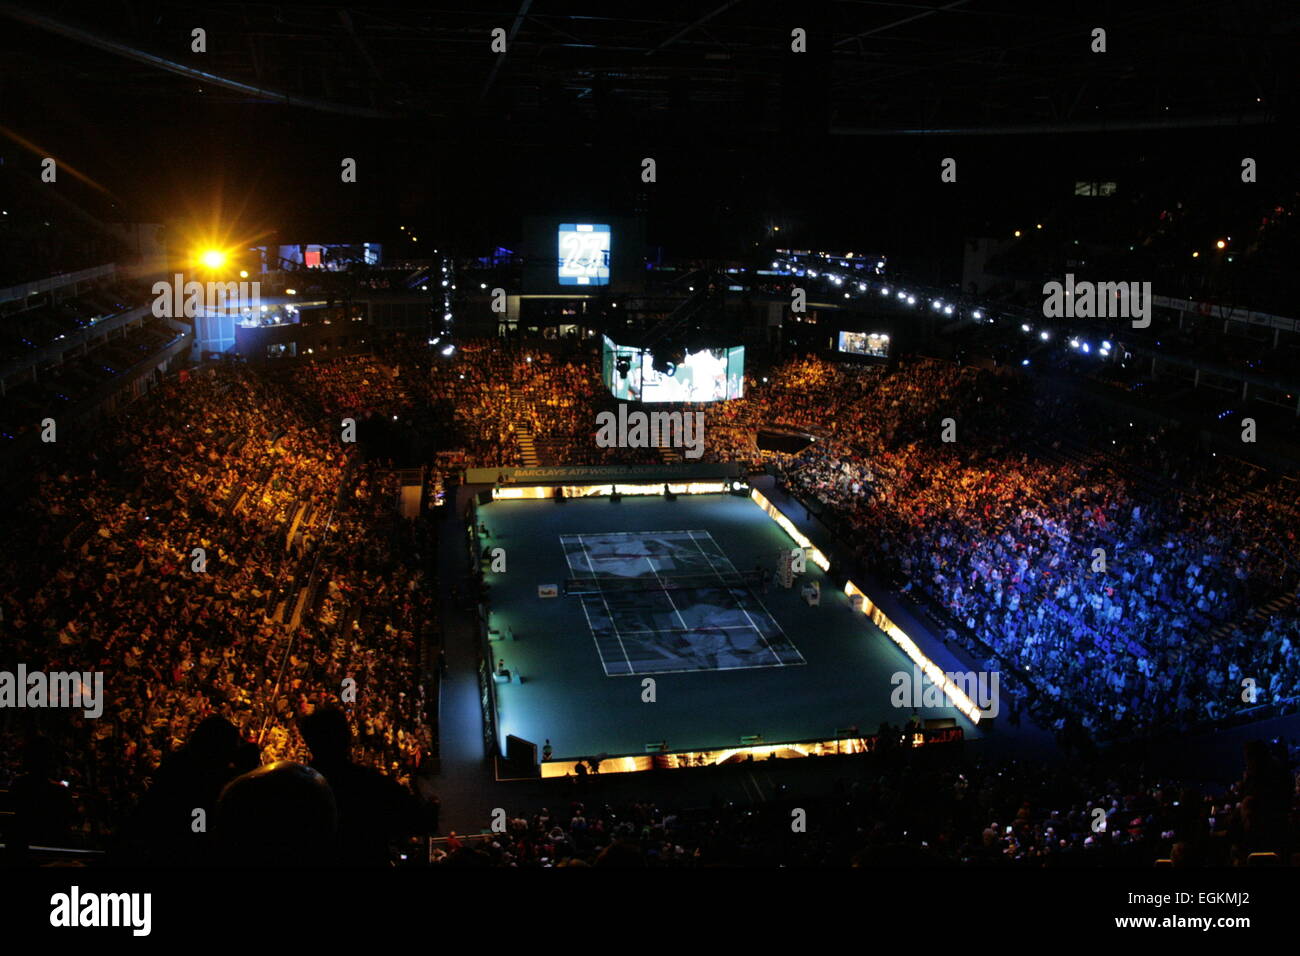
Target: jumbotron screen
584,253
874,344
709,375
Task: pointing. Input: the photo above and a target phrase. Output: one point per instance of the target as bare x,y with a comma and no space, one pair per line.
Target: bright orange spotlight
1221,244
213,258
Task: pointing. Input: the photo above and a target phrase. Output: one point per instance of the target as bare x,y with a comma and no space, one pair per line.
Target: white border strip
789,528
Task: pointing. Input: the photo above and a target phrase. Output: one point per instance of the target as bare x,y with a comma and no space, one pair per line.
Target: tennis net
703,579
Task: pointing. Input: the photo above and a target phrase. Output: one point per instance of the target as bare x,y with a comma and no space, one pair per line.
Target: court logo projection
661,602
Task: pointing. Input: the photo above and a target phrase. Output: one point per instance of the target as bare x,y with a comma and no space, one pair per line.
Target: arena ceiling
721,66
463,141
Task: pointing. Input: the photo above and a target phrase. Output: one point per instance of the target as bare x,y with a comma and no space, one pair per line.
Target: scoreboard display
584,253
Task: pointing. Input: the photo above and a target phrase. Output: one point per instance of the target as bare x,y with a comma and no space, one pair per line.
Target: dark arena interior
834,435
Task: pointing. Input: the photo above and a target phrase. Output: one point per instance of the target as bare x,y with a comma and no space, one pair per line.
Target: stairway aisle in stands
527,445
1276,604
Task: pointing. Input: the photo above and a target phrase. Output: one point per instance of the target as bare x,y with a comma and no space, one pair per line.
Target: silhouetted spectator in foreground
621,854
163,831
279,815
1267,788
374,811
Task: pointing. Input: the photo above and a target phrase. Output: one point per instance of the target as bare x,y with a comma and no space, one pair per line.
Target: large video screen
874,344
584,253
709,375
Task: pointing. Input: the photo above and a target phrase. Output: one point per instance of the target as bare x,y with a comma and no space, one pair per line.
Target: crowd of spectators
169,552
902,810
486,398
1002,526
353,385
1116,567
376,611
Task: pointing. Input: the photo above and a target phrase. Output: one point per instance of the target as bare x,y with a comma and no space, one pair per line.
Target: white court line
668,594
711,670
604,666
626,534
608,610
599,653
741,603
743,610
632,671
572,570
693,630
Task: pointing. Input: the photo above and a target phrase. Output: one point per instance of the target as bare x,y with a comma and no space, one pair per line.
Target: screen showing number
584,254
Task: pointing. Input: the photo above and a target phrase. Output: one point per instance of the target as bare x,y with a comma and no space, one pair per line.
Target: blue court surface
671,601
672,593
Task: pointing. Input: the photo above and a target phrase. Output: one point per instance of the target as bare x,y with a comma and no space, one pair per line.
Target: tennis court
659,602
716,674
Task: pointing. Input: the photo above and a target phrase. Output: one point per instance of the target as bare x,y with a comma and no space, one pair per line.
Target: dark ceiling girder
973,65
687,29
510,39
346,19
40,21
1098,126
898,23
